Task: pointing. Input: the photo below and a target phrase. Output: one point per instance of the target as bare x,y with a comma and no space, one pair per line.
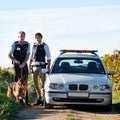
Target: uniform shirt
14,46
47,52
20,51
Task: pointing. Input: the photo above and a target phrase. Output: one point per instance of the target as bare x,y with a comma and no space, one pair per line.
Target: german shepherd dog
17,90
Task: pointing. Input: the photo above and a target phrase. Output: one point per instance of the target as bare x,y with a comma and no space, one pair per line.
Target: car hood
78,78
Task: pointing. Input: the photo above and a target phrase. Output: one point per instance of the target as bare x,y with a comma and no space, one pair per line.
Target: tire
108,107
47,106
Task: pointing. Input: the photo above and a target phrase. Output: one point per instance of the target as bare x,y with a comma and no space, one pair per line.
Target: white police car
78,77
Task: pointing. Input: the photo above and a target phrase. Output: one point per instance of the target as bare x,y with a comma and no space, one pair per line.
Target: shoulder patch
43,43
26,42
16,42
34,45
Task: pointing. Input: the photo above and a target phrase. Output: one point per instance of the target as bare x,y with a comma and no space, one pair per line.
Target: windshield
78,65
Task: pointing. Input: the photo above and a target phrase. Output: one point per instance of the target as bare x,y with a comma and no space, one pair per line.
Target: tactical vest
40,53
20,51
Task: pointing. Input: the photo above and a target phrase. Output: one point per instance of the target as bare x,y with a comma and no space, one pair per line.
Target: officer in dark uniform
19,54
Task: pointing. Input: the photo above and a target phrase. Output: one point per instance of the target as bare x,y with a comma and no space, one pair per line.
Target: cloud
82,19
80,28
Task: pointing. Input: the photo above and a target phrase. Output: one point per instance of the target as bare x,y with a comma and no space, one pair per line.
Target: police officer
19,54
39,53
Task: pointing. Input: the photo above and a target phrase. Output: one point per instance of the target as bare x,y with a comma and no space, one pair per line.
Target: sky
64,24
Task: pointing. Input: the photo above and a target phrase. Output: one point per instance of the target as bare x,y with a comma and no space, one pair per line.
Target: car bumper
60,98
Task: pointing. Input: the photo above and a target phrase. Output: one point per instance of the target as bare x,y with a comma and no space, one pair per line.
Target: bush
8,107
112,62
5,75
31,89
3,87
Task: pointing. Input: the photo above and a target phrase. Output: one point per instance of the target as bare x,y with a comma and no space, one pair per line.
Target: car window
78,65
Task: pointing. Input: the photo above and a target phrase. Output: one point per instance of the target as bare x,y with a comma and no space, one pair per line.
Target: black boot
27,99
38,102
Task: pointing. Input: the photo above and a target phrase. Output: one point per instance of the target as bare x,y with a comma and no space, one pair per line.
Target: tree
112,62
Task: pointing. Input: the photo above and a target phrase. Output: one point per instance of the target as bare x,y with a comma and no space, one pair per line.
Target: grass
69,115
116,101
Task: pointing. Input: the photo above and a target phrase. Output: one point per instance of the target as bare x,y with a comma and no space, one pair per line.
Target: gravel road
62,112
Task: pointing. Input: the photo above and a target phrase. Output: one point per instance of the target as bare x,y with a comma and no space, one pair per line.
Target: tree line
112,62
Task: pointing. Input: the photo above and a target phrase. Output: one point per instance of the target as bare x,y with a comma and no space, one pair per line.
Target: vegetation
116,100
5,75
31,89
8,107
69,115
112,62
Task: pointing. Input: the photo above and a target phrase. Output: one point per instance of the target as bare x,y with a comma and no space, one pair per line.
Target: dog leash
21,72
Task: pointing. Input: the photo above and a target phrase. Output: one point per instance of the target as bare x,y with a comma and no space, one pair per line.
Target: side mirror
111,72
44,70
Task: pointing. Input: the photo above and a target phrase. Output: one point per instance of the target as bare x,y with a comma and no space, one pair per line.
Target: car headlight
103,87
56,86
61,86
53,85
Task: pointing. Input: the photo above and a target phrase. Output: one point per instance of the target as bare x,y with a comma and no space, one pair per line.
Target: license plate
78,94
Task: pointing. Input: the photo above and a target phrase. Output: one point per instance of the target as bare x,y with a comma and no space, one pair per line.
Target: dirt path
39,113
61,113
96,114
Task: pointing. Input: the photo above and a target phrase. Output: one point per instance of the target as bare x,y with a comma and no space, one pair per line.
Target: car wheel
108,107
47,106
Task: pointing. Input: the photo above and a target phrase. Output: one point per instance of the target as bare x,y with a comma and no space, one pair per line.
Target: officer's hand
16,61
30,69
22,65
48,70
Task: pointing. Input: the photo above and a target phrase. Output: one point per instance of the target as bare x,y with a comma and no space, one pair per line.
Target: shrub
3,87
8,107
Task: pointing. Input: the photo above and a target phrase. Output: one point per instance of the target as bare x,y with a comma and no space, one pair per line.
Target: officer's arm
47,51
48,66
11,57
30,62
11,52
27,57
